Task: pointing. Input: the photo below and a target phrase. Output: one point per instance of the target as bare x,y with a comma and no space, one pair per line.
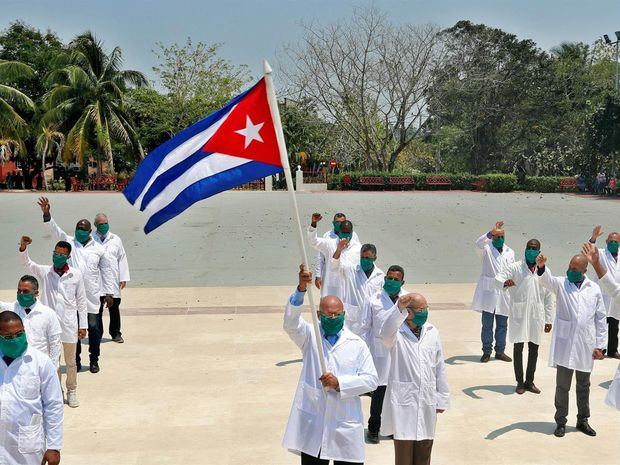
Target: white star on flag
251,132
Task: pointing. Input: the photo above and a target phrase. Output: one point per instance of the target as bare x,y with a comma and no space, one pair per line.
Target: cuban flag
232,146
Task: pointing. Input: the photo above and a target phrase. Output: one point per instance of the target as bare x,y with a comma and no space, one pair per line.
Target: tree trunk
43,178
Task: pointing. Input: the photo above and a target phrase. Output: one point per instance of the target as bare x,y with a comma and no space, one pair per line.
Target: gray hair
100,215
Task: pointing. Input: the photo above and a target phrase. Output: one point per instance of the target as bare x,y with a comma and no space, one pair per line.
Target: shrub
542,183
500,182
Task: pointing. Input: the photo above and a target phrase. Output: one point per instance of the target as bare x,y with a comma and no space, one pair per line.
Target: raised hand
342,244
318,282
596,233
24,242
541,261
590,251
44,204
316,217
305,278
499,225
405,300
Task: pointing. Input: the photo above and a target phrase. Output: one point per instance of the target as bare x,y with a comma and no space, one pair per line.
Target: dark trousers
309,460
115,317
413,452
376,405
612,336
563,380
532,358
94,340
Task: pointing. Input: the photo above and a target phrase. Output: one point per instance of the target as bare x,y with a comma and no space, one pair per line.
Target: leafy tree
13,126
87,98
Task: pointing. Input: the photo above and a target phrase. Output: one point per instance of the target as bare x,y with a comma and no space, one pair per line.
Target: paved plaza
207,375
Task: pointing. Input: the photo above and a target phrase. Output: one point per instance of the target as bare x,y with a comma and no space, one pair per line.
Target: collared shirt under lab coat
531,304
613,272
357,291
580,324
322,420
31,409
64,294
94,264
332,283
377,305
42,328
113,245
319,265
487,298
417,384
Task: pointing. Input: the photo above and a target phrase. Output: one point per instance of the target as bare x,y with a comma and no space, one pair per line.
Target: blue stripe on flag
207,187
149,165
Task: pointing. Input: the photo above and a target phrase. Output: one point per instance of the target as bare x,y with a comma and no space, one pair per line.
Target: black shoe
79,367
372,438
118,339
503,357
559,431
585,428
520,389
485,358
94,367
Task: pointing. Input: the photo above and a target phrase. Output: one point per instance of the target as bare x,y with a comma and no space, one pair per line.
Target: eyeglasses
392,279
423,309
12,336
332,316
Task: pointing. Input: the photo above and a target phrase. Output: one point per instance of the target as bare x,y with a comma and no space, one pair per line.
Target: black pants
563,379
94,340
612,336
115,317
532,358
376,405
309,460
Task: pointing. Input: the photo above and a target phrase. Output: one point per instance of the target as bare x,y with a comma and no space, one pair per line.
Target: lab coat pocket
429,395
488,284
403,393
310,399
30,387
31,440
562,329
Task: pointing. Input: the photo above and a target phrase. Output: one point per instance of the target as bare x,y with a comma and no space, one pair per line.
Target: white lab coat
325,421
531,304
332,283
417,384
113,246
357,290
487,298
31,409
319,265
94,264
613,271
42,328
580,324
64,294
377,305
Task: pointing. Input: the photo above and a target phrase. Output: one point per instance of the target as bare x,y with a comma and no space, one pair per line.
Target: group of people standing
377,341
520,297
56,306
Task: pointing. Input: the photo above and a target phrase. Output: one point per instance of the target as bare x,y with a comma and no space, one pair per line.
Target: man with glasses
488,300
63,292
417,388
42,327
113,246
32,411
325,422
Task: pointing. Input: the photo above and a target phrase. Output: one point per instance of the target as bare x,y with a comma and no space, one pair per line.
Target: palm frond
16,98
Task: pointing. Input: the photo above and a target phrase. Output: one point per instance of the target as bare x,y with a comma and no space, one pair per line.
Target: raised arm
57,232
321,244
548,281
29,266
297,329
391,319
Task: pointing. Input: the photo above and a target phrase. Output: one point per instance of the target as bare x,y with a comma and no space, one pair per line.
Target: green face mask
332,326
25,300
103,228
82,236
574,276
613,246
59,260
498,242
336,226
344,235
392,287
420,318
13,347
531,254
366,263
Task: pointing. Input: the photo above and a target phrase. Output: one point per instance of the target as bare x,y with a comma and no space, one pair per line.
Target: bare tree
367,76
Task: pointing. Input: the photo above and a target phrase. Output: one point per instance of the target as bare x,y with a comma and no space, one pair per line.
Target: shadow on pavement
606,384
288,362
499,388
462,358
540,427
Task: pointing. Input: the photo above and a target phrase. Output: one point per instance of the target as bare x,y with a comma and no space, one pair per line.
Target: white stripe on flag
211,165
180,153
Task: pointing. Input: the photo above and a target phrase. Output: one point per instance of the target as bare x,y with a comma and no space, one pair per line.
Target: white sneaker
72,399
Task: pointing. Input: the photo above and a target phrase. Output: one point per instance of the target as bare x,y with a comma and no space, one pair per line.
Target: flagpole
275,116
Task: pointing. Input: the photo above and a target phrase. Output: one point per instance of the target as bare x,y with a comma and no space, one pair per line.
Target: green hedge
542,183
500,182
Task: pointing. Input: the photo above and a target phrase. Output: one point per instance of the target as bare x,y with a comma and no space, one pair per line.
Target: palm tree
12,126
48,139
87,100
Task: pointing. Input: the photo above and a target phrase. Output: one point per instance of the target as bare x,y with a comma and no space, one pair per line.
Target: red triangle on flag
248,131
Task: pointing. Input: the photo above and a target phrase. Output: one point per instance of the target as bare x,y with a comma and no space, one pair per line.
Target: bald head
331,305
578,263
83,225
418,301
614,236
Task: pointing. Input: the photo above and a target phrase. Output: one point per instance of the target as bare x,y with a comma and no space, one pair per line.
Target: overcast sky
254,29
